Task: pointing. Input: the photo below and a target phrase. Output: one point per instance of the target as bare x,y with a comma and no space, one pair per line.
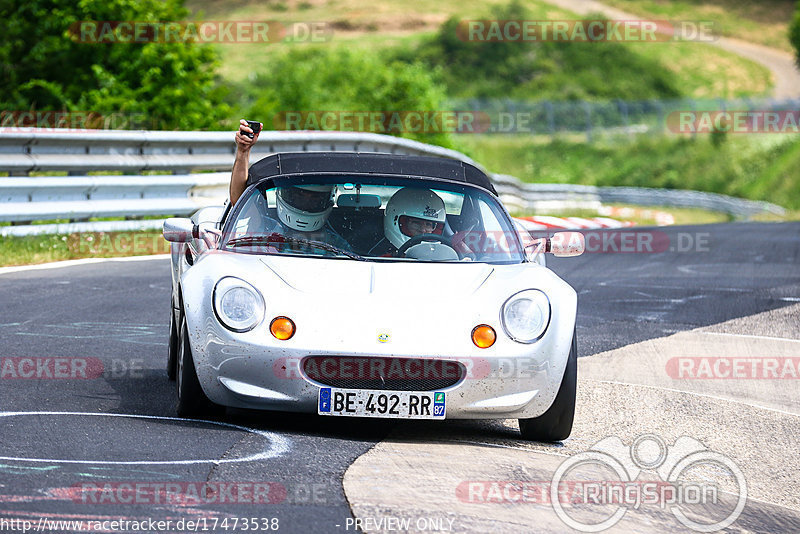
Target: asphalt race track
97,335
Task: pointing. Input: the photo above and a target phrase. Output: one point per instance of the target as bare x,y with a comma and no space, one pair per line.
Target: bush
342,80
539,70
794,33
46,68
741,166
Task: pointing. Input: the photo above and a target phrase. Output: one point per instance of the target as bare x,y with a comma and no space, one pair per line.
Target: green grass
681,215
380,26
701,70
30,250
759,167
687,216
764,22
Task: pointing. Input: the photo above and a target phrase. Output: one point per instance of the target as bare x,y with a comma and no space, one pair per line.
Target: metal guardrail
27,149
533,197
597,119
24,199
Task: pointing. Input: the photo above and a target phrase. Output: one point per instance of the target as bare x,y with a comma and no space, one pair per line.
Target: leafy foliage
794,33
539,70
46,67
745,166
341,80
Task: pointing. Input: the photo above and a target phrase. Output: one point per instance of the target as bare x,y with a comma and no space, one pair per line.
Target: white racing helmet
404,207
305,207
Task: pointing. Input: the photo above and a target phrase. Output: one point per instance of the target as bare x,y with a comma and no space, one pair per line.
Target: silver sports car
371,285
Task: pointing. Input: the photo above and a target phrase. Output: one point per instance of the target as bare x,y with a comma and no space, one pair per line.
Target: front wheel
192,401
556,423
174,345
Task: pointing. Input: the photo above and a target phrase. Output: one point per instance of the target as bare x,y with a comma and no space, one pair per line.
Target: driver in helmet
409,213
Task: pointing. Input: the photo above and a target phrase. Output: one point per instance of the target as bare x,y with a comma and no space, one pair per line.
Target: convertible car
371,285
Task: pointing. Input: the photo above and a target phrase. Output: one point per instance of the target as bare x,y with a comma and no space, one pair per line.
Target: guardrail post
662,126
623,109
551,123
587,109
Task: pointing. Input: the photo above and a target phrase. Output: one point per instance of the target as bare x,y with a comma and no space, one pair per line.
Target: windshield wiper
280,238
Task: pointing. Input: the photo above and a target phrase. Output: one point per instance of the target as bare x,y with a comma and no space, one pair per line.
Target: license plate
379,403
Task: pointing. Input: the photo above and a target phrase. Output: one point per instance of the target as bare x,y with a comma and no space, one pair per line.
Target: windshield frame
286,180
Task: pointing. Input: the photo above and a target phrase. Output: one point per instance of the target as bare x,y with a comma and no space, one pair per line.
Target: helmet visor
306,200
414,226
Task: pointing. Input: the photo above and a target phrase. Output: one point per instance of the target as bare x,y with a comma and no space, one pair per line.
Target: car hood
345,277
347,303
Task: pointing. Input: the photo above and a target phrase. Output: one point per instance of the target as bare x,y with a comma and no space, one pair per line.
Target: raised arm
242,161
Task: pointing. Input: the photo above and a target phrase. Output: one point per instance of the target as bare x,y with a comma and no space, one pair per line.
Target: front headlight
526,315
238,305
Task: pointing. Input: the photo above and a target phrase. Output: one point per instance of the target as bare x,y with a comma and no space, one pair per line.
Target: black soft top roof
297,163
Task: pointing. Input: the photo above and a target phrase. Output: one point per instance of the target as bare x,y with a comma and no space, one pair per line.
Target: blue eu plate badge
325,400
438,404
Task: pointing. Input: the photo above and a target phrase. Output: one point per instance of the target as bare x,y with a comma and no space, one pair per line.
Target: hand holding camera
248,133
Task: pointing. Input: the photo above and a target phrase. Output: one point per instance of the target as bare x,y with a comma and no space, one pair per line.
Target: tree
794,33
312,81
538,69
46,65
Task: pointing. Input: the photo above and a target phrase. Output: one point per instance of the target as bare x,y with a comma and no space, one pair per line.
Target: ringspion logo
698,502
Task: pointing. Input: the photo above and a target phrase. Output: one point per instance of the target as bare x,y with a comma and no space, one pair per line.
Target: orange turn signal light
483,336
282,328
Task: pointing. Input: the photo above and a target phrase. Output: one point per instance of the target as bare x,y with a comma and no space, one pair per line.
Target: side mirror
561,245
566,244
178,230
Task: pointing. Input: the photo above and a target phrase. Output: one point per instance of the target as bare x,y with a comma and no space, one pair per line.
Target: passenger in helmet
302,209
305,207
410,212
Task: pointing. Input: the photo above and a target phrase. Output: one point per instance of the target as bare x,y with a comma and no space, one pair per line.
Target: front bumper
254,370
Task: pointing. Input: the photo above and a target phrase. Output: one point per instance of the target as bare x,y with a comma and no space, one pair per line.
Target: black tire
192,401
556,423
173,347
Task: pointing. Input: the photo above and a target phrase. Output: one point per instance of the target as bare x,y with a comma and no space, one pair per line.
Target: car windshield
372,218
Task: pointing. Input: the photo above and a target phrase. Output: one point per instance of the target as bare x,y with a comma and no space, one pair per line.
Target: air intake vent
392,374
